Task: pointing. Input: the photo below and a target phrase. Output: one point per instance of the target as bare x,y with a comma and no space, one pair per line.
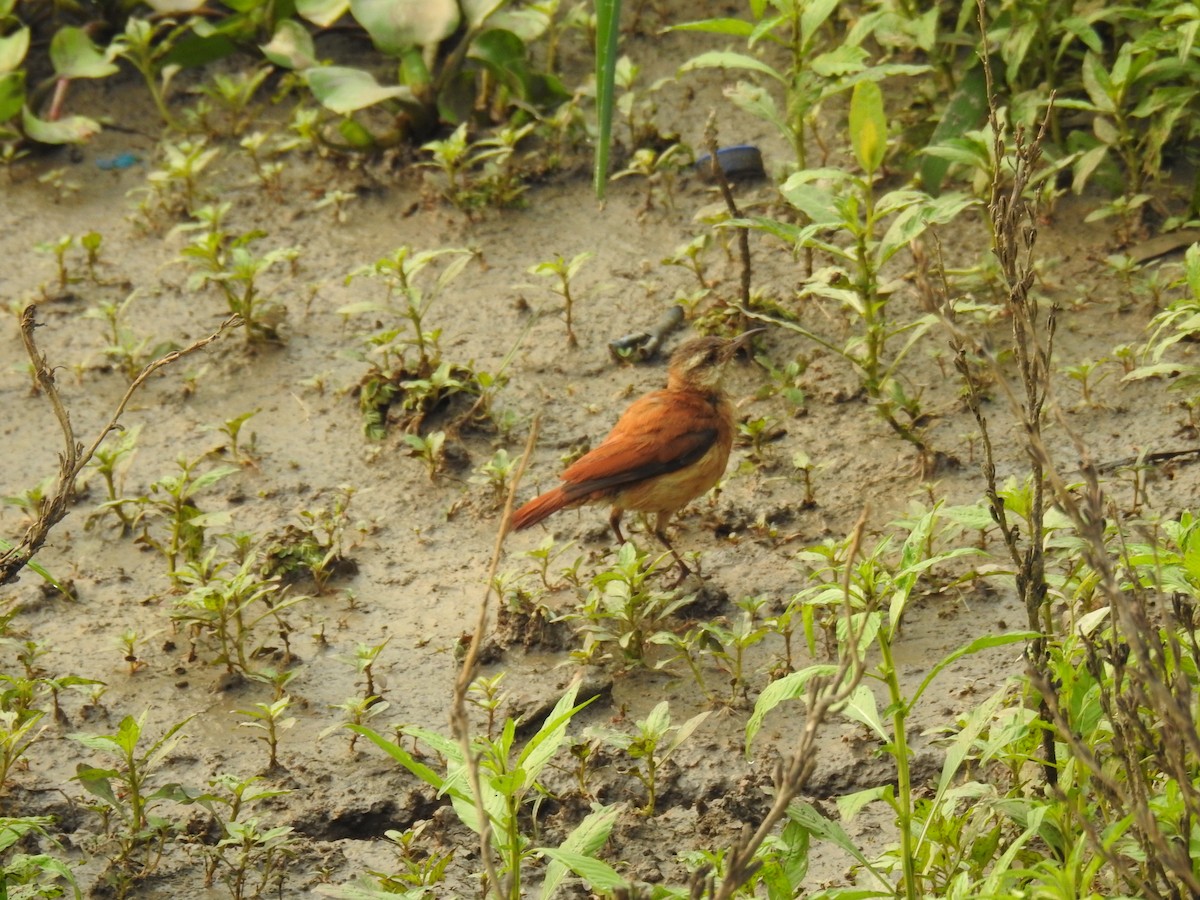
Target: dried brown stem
74,457
823,695
718,174
460,724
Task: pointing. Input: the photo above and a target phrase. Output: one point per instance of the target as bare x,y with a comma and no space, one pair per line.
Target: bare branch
74,457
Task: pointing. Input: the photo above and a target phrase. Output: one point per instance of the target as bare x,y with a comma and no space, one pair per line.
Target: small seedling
229,264
689,256
419,868
233,93
485,694
429,450
232,429
1081,373
649,748
495,474
622,612
565,272
335,200
728,645
317,546
126,796
59,250
364,659
226,604
270,719
64,187
804,467
128,641
356,711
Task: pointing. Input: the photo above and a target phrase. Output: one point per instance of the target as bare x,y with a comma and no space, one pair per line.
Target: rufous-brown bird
667,449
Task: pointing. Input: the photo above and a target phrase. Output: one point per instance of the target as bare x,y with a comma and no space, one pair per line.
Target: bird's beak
742,340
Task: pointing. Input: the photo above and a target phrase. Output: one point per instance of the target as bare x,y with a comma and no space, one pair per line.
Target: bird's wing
661,432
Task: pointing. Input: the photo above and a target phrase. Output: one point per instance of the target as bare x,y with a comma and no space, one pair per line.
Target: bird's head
698,364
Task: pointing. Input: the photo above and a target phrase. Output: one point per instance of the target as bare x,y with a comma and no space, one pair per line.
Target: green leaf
71,130
96,782
845,60
13,48
868,126
291,47
813,15
401,756
608,35
585,840
790,687
806,815
322,12
727,59
394,27
982,643
759,103
599,875
733,27
75,56
964,111
861,707
1096,82
346,90
503,53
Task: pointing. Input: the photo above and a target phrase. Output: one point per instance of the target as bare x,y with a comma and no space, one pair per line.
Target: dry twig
460,724
74,457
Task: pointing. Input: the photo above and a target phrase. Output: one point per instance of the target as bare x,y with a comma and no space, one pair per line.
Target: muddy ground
420,548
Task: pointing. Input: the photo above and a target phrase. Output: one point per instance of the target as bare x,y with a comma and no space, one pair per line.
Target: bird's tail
539,508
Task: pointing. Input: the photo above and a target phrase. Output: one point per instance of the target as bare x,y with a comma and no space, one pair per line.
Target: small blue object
120,161
741,162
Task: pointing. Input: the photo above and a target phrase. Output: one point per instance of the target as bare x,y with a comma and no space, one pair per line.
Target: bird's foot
686,574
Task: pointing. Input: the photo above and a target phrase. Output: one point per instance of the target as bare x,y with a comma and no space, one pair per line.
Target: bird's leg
660,532
614,520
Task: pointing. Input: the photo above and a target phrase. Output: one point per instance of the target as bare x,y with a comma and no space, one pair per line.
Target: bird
668,448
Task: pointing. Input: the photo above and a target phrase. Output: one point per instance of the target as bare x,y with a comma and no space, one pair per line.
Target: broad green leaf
726,59
291,47
845,60
1086,165
850,805
868,126
586,840
599,875
790,687
759,103
322,12
75,56
861,707
543,745
1096,82
733,27
401,756
964,111
983,643
71,130
806,815
912,222
346,90
97,782
503,53
608,35
394,27
813,15
818,204
13,48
